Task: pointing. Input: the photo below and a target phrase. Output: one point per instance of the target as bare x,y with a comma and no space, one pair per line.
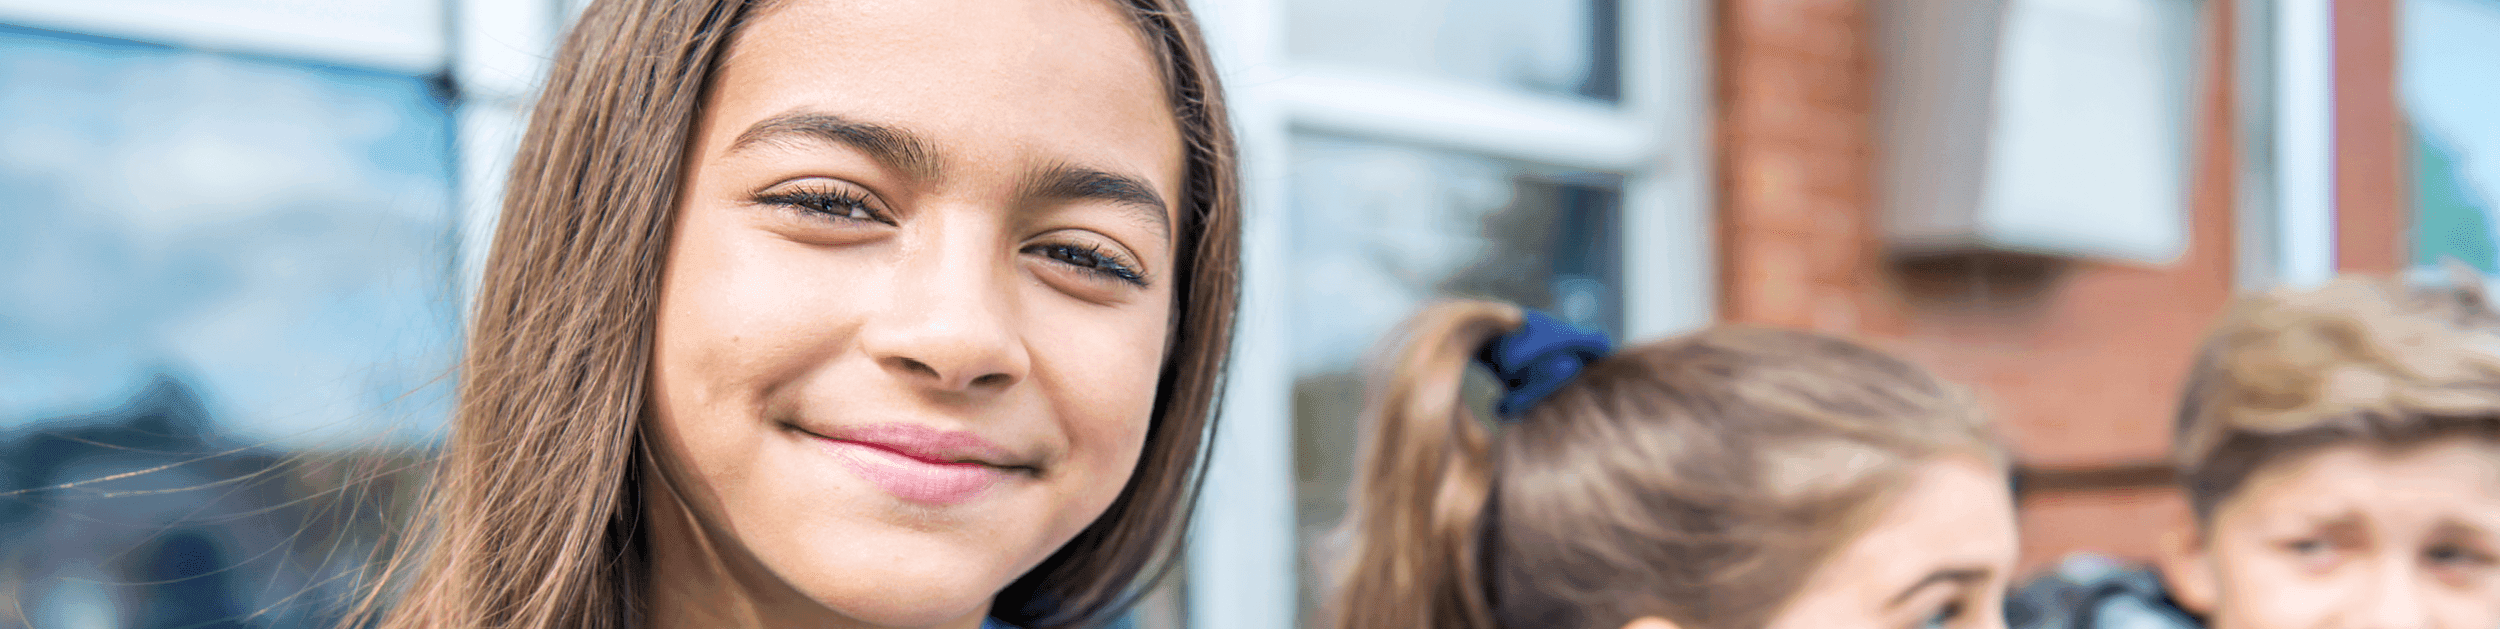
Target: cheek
2473,602
2263,588
1100,367
741,315
741,309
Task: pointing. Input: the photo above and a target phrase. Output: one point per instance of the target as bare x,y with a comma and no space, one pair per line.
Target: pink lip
919,463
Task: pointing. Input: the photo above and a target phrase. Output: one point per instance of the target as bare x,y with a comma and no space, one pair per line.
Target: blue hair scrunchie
1539,358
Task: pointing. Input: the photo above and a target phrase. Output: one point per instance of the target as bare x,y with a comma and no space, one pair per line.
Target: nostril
917,367
991,380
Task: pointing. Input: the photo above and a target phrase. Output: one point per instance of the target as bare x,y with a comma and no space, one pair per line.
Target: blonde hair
532,516
2358,359
1696,479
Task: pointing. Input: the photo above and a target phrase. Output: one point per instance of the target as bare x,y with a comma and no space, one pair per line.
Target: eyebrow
2343,519
1069,182
894,146
2451,526
914,154
1947,576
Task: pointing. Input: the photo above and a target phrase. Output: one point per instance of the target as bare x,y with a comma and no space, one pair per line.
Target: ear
1650,622
2187,565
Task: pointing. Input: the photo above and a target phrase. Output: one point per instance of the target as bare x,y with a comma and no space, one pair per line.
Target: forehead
2456,478
1952,512
1063,78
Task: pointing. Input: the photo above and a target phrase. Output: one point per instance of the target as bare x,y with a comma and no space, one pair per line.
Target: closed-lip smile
918,463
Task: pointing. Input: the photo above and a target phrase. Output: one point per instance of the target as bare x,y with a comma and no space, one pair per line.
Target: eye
825,201
2455,556
1093,259
2318,553
1944,616
2460,565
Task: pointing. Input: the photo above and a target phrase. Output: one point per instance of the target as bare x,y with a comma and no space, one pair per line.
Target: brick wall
2079,362
2370,141
1795,133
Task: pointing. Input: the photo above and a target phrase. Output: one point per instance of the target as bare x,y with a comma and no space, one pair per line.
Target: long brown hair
1697,479
531,521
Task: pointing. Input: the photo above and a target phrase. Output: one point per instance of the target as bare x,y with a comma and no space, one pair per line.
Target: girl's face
918,295
1938,556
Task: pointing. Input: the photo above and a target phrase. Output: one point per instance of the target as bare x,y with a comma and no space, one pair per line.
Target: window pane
226,277
2449,83
1566,48
1380,229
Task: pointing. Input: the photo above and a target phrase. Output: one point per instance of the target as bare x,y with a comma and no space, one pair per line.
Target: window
238,228
228,272
2447,82
1395,151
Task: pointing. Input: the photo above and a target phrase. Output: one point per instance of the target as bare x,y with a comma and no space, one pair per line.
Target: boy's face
2354,536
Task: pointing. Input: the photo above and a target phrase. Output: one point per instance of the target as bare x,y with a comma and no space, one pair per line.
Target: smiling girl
808,313
1734,478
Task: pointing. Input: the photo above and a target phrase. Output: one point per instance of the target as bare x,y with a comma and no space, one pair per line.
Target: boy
2340,451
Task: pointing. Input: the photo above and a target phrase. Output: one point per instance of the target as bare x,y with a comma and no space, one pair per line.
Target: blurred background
240,235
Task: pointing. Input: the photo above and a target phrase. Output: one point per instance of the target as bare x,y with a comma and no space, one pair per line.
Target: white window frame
401,36
1242,554
2286,81
500,51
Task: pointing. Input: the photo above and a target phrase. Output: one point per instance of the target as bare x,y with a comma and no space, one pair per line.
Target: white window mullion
1242,553
1447,114
1669,264
2304,136
499,54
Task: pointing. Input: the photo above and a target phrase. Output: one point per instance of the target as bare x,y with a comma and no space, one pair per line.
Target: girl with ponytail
1734,478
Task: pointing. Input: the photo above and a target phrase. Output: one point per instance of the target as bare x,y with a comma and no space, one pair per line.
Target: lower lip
913,479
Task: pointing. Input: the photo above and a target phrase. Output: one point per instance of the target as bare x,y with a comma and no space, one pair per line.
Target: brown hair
531,520
2358,359
1697,479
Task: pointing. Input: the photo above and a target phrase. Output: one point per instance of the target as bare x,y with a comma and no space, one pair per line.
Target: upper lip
927,444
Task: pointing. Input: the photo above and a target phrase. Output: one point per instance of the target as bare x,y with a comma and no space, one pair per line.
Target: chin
907,607
904,578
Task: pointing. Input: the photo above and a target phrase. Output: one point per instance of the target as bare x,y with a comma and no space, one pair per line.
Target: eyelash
1090,259
837,205
843,205
1944,616
2453,554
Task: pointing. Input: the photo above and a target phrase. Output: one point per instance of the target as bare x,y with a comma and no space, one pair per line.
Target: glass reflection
1567,48
1378,230
224,328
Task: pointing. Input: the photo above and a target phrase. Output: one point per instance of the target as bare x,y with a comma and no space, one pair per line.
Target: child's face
2353,536
917,300
1937,556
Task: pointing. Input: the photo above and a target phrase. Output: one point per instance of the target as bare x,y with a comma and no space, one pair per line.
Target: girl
1736,478
841,314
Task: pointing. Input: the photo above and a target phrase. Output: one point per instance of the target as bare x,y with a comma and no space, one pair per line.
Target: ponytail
1694,479
1423,477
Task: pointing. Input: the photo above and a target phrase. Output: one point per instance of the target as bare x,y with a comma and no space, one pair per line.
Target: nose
948,325
2392,600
